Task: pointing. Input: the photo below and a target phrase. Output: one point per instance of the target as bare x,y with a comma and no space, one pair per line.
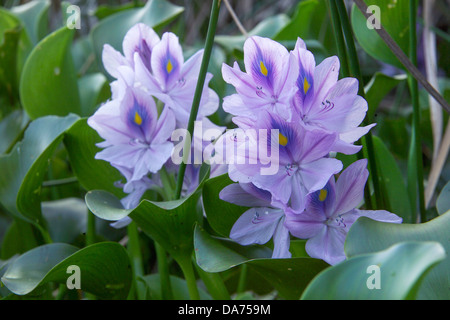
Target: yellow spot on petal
169,66
137,119
323,195
263,68
306,85
282,140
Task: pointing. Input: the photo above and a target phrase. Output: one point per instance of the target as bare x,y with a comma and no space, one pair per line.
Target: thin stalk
198,92
242,279
416,146
340,43
90,232
163,270
355,71
214,283
189,276
134,251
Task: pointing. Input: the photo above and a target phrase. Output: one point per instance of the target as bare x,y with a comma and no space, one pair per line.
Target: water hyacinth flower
135,138
323,101
269,80
173,80
260,223
300,166
331,212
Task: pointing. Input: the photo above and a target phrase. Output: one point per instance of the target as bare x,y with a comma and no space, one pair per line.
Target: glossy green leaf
300,23
366,236
288,276
10,129
443,200
394,18
179,288
24,168
267,28
112,29
10,35
92,174
104,269
392,183
48,84
377,88
34,16
221,214
94,89
171,223
391,274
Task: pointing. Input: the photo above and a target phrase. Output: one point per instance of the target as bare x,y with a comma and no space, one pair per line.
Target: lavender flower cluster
309,115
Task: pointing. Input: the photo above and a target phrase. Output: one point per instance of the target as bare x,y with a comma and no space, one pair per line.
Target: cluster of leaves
49,181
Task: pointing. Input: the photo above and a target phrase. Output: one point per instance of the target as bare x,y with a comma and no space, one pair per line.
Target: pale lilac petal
112,59
350,186
243,83
140,39
281,242
380,215
355,134
157,155
164,127
325,76
314,144
119,224
327,245
316,174
167,60
264,59
234,193
306,225
256,226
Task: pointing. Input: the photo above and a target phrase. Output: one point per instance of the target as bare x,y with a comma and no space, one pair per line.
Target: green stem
134,251
214,283
340,43
356,72
189,276
416,185
198,93
90,232
242,279
164,275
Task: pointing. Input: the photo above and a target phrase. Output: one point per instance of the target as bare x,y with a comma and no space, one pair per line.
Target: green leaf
221,214
377,88
300,23
94,89
392,182
288,276
366,236
443,201
10,39
92,174
104,269
267,28
394,18
179,288
24,168
399,269
10,129
48,84
34,15
170,223
112,29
